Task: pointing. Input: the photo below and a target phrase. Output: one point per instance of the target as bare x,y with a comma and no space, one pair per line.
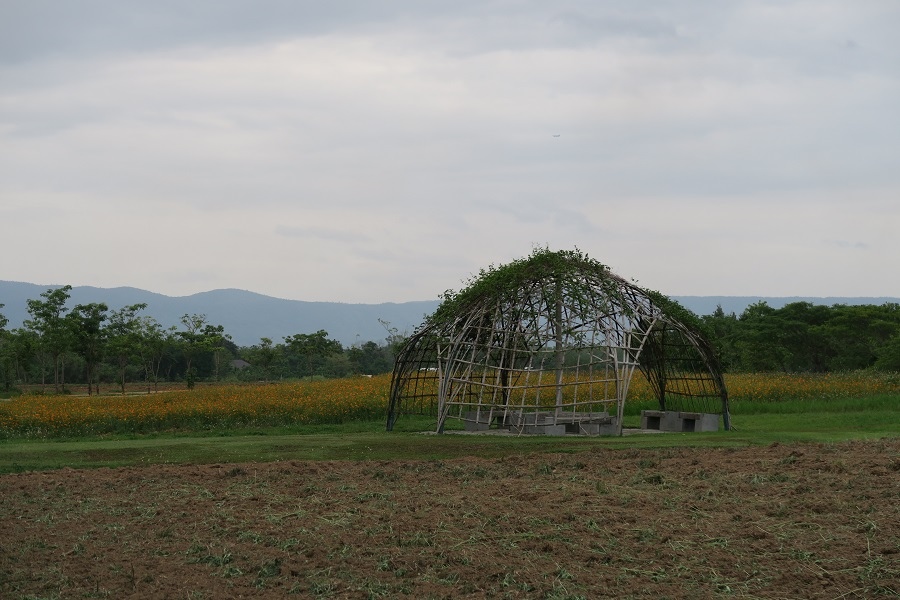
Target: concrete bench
670,420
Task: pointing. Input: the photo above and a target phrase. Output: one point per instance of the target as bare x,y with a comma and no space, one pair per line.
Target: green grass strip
368,441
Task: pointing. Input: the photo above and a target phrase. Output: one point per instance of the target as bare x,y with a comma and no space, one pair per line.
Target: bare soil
785,521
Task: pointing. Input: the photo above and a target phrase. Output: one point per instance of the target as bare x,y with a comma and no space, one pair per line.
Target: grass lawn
753,424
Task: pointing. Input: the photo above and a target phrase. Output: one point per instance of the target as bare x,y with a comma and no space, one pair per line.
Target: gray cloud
322,234
598,28
388,150
847,244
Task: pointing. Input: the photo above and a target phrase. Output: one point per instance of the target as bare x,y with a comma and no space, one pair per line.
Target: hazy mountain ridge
248,316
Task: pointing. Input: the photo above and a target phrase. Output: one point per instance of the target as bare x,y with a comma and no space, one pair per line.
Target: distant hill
248,316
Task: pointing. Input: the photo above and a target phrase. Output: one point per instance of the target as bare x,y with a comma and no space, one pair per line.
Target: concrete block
670,420
605,426
609,428
478,420
476,426
652,419
699,421
582,428
545,429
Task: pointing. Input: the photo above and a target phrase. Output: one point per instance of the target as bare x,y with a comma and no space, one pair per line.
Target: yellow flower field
312,402
337,401
775,387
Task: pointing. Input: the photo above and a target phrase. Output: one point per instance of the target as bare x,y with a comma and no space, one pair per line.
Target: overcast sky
363,151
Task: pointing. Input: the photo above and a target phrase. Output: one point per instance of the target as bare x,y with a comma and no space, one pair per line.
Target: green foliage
124,335
123,346
90,344
310,351
262,357
156,344
52,330
7,355
802,337
574,273
86,321
371,359
889,355
504,282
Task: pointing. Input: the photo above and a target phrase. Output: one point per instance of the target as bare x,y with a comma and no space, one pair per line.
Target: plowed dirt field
784,521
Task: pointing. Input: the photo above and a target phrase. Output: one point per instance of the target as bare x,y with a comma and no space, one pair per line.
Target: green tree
723,335
53,332
215,341
155,342
198,339
804,347
124,339
804,337
7,357
23,347
855,334
191,342
262,356
371,359
394,340
888,358
86,321
312,349
757,341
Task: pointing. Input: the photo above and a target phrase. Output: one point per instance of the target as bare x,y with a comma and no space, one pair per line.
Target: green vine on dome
496,283
504,281
673,309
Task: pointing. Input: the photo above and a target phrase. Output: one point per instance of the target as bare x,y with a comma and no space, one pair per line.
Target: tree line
90,344
803,337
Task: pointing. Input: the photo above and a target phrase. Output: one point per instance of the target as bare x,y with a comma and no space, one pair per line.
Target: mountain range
248,316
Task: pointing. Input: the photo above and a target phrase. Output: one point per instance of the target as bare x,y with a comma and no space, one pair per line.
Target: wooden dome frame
554,339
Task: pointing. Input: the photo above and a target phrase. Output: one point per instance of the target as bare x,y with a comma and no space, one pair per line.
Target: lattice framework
556,335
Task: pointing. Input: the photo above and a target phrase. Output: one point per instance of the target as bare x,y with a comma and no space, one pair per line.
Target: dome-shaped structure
552,341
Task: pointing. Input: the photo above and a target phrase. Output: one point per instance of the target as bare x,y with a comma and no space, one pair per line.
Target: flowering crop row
337,401
313,402
777,387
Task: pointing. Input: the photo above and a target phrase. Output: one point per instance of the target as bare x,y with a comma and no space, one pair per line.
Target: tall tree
23,347
124,335
155,342
7,360
54,334
194,343
86,321
215,340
